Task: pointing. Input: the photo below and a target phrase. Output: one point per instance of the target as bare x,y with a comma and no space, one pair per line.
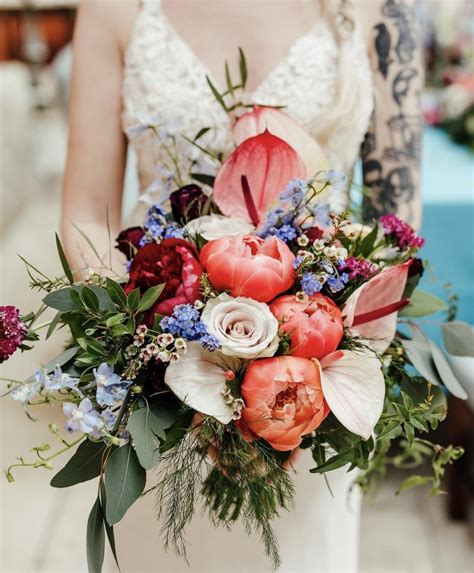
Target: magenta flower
358,268
405,235
12,331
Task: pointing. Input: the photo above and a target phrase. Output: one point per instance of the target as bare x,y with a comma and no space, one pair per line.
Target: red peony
173,262
128,241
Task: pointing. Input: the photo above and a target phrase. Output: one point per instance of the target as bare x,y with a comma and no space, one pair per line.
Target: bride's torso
322,77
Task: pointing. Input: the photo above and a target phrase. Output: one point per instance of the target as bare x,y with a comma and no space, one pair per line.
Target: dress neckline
248,94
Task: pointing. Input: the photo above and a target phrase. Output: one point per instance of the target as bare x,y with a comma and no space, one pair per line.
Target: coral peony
249,266
283,400
315,326
172,262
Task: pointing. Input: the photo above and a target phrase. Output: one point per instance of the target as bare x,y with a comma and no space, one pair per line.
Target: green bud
9,476
114,440
136,389
53,429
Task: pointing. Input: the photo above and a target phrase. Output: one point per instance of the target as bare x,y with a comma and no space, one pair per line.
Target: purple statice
310,284
358,268
401,231
12,331
186,323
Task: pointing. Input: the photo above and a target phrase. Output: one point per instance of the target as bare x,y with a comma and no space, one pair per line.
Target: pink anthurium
371,310
354,388
264,164
283,126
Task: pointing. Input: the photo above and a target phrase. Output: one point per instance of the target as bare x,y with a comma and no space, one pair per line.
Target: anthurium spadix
265,163
371,310
198,379
354,388
278,123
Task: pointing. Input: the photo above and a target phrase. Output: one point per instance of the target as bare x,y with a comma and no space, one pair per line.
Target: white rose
244,327
216,226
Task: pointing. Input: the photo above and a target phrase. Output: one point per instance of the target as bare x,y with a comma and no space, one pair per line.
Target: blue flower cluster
279,223
310,283
158,227
186,323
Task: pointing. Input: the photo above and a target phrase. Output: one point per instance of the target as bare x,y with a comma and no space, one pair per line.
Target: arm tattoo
390,167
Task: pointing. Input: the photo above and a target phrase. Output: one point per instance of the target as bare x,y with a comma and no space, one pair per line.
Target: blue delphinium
295,191
285,233
310,284
110,387
59,380
335,284
83,418
173,231
186,323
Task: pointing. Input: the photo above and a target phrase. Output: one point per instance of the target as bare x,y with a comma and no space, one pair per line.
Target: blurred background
43,529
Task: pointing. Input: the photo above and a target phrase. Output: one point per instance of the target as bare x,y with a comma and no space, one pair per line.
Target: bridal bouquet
252,323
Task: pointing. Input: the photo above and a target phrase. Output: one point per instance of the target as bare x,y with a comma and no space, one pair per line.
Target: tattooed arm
391,150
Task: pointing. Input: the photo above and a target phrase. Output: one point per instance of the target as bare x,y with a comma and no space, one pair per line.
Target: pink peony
12,331
283,400
249,266
315,326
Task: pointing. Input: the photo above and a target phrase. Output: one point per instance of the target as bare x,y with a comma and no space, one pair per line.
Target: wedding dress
325,84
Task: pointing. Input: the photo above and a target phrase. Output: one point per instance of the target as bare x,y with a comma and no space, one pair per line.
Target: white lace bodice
324,82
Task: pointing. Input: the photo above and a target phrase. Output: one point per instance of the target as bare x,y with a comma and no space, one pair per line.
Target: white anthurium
212,227
244,327
198,379
354,388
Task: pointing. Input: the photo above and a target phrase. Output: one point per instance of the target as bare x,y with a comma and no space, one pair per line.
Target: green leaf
64,263
54,323
458,338
242,68
410,433
414,481
133,299
333,463
164,416
115,319
90,299
228,79
201,132
84,465
146,444
216,93
95,538
124,482
150,297
203,178
156,321
88,241
116,293
368,242
109,529
60,360
119,330
445,372
423,304
105,302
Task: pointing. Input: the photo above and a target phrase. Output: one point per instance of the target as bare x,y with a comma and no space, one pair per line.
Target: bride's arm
94,174
391,150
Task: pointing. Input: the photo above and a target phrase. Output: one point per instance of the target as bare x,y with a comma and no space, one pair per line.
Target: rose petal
354,388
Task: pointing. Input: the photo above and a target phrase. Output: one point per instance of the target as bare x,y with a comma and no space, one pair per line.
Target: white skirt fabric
320,534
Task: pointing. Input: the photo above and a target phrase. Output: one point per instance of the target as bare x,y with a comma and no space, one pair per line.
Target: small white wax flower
302,241
180,344
164,356
164,339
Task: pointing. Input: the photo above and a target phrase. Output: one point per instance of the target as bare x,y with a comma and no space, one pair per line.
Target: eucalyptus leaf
60,300
144,439
150,297
63,259
458,338
423,304
84,465
95,538
445,372
124,482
